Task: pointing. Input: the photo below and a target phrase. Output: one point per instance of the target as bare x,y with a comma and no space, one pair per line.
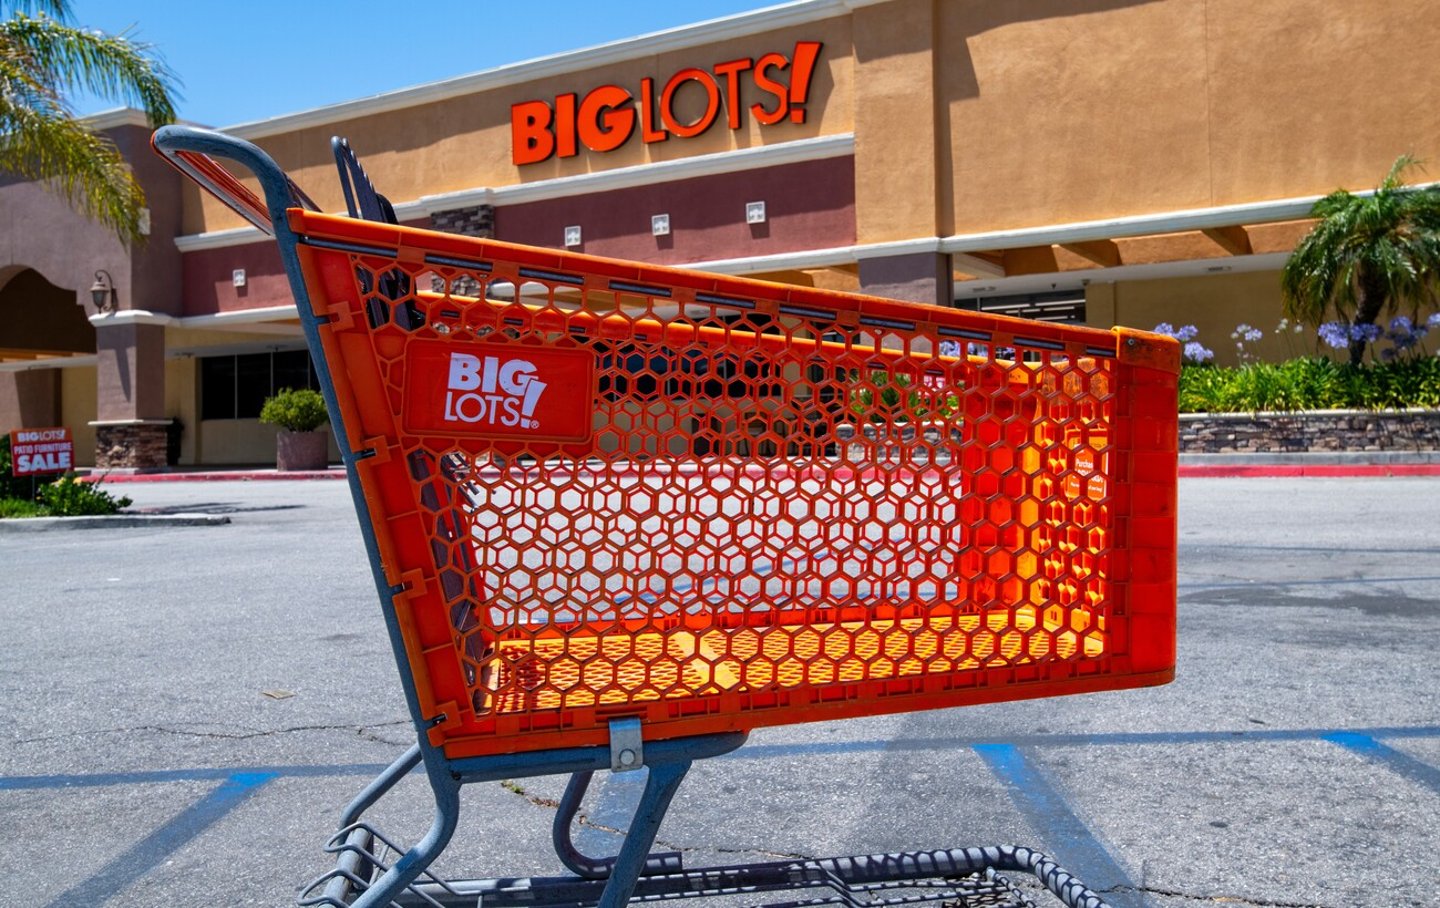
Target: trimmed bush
295,411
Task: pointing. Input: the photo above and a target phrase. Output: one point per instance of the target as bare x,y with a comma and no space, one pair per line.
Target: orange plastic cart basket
601,489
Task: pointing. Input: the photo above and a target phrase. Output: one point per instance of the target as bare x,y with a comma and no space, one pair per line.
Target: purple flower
1433,321
1183,335
1404,333
1369,333
1336,335
1197,352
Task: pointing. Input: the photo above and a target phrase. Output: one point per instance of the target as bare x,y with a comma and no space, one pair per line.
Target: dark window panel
217,387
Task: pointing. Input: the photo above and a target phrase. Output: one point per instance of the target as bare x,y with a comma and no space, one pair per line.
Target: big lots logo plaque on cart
503,391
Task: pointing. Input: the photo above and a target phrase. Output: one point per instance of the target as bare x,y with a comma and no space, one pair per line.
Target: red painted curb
1319,470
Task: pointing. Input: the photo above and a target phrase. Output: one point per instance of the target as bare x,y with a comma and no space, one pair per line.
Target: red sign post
37,451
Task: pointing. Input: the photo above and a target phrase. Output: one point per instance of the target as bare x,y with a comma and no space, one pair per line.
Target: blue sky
244,61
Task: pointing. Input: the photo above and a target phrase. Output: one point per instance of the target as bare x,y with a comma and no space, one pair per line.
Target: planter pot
302,450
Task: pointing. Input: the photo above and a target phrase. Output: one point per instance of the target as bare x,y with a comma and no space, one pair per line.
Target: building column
29,399
922,277
130,425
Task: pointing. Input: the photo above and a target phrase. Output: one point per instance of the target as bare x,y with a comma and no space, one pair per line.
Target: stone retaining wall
1323,430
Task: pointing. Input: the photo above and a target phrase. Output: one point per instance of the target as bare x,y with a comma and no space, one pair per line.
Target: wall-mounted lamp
754,212
102,292
572,236
237,277
659,225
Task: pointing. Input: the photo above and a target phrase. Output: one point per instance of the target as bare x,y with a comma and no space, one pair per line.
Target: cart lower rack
619,515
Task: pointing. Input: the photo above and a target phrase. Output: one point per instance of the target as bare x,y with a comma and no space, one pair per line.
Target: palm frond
1388,241
84,167
58,9
110,66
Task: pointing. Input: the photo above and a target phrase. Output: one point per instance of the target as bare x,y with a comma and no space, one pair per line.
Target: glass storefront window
236,387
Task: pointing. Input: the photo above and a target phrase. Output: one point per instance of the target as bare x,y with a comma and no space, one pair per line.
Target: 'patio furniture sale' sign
34,451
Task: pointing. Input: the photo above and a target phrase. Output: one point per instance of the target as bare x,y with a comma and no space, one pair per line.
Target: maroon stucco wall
810,205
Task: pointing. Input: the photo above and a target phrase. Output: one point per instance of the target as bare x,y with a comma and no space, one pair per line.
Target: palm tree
1368,254
41,58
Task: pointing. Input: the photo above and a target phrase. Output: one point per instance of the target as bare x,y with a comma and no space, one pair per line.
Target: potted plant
300,444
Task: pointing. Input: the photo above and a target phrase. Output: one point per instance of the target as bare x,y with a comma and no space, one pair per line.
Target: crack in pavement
1219,899
582,819
361,730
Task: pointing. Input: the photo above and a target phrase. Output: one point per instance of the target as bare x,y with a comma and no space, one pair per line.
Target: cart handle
194,151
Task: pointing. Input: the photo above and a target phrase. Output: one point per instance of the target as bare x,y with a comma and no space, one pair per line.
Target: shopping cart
619,515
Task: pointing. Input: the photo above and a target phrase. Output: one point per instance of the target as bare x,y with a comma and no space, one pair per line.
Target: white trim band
131,317
1143,224
50,362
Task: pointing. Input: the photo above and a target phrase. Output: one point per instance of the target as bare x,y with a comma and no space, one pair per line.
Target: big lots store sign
606,117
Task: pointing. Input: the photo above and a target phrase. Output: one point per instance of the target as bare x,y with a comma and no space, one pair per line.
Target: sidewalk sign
37,451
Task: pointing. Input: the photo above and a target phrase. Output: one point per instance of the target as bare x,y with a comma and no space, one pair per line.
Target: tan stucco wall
243,441
1214,304
236,441
896,178
182,400
77,409
1073,110
464,143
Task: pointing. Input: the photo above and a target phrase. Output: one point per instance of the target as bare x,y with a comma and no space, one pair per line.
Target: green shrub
919,403
295,411
1311,383
69,497
12,486
20,507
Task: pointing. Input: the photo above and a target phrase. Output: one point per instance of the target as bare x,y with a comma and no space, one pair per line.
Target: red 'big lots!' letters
606,117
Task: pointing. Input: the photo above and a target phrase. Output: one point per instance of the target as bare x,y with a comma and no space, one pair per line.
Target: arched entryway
47,357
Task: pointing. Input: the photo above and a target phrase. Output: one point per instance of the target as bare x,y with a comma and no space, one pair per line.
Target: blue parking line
197,774
150,851
1112,739
1420,771
1075,847
1401,764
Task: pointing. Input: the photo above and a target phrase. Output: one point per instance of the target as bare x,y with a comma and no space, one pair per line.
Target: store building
1105,161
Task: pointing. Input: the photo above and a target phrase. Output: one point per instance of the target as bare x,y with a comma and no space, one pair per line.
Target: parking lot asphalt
184,711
